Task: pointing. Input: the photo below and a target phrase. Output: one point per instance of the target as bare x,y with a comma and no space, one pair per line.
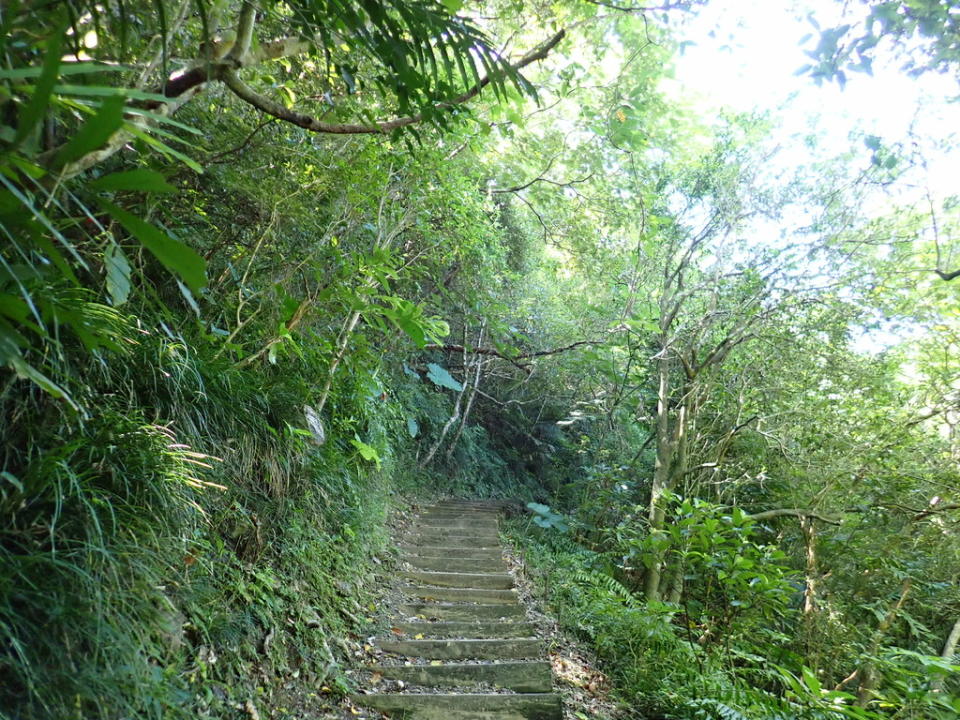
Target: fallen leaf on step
375,678
418,636
436,662
397,631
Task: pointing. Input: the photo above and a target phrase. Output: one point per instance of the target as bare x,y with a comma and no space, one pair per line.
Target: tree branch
497,353
245,24
308,122
793,512
181,87
678,5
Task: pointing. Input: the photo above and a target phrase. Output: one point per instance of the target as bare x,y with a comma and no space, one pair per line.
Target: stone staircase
471,654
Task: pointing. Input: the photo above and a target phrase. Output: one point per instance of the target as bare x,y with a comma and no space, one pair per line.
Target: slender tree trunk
676,584
868,676
478,368
343,339
661,475
808,529
810,541
949,650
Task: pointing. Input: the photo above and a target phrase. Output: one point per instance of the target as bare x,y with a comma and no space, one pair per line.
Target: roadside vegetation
269,271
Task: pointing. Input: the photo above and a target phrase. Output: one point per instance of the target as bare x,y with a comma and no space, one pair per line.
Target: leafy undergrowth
586,690
187,550
658,670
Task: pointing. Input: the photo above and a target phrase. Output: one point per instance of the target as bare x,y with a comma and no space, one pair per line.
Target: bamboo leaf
177,257
94,133
143,180
49,72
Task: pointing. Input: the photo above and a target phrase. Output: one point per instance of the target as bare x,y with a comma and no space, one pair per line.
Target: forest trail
470,652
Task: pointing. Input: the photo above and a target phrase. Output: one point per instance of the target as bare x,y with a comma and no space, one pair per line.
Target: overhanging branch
514,358
793,512
232,80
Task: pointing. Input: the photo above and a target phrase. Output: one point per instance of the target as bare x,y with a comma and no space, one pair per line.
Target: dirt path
466,651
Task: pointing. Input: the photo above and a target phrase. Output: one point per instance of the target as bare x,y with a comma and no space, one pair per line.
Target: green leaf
118,274
12,479
367,452
810,680
94,132
49,72
166,149
109,92
439,376
73,68
412,328
173,254
142,180
412,427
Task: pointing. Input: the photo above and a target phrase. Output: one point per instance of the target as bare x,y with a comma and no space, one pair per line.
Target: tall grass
180,534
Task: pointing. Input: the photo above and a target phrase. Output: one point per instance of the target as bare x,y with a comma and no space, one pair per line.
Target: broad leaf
173,254
367,452
118,274
439,376
142,180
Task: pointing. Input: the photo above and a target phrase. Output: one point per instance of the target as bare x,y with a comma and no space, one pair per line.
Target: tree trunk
867,675
949,650
473,393
810,541
661,476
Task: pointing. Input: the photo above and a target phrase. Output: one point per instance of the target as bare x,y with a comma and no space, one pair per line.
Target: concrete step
485,706
495,581
450,541
448,564
492,551
461,612
469,531
474,630
458,649
431,524
454,544
524,677
473,503
444,516
477,595
498,581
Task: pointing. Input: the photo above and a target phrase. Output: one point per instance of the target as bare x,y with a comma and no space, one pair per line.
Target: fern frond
602,581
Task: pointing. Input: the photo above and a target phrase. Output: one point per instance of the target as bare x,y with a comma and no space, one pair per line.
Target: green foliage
440,377
923,32
731,503
546,518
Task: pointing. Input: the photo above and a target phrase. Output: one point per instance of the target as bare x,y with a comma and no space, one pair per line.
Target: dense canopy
270,271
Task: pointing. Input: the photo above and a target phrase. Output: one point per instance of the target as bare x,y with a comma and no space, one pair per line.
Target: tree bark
868,676
478,363
949,650
661,472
